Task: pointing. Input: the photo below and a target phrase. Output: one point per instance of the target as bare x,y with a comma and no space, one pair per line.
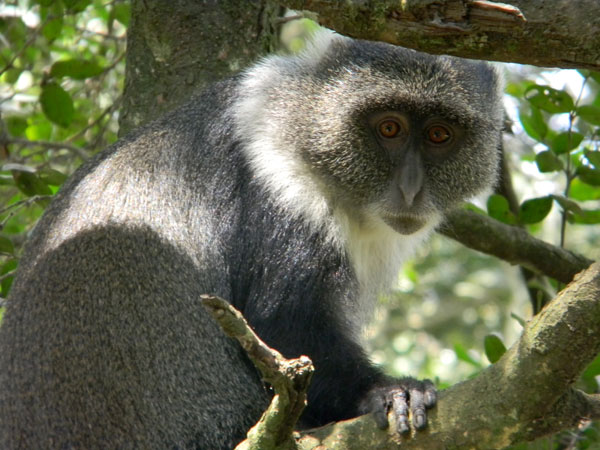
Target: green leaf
476,209
535,210
463,355
11,76
6,283
41,130
499,209
547,161
595,76
6,246
583,192
593,370
589,113
494,348
568,205
550,100
16,125
589,175
77,69
519,319
588,217
51,176
30,184
518,89
123,13
51,30
76,6
565,142
593,156
57,104
534,124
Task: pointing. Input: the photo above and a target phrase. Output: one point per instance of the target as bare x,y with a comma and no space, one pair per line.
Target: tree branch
555,33
512,244
504,404
289,378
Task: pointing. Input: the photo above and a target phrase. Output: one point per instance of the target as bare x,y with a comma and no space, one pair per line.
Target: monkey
295,190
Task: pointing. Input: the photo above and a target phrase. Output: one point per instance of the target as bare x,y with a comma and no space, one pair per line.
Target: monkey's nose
410,177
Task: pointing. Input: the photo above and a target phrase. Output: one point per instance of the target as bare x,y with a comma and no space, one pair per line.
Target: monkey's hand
399,396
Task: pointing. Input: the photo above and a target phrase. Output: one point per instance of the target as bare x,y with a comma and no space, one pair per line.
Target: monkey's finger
380,415
417,408
400,408
429,393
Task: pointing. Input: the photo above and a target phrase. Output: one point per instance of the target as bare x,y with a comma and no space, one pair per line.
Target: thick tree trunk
177,47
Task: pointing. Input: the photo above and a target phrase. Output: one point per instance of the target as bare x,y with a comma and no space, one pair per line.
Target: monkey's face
410,143
404,140
382,134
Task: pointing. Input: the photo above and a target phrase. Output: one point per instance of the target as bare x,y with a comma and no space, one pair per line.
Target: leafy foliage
61,75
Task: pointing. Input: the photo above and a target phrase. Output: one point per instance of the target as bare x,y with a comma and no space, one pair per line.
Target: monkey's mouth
404,224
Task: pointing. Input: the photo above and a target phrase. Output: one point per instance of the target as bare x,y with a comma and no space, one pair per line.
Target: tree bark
556,33
512,244
525,395
177,47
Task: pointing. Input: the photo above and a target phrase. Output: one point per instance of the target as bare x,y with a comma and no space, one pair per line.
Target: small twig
107,111
289,378
50,145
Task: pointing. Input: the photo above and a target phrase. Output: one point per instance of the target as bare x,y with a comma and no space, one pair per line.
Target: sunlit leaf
565,142
535,210
550,100
40,130
494,347
547,161
583,192
499,209
57,104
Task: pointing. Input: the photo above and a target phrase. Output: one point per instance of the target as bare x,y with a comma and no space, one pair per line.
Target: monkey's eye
439,134
389,128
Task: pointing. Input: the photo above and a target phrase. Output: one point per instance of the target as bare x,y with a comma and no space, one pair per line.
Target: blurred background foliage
453,311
